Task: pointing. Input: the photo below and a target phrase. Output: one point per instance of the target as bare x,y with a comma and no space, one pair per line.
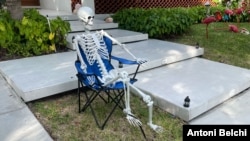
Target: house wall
63,5
59,5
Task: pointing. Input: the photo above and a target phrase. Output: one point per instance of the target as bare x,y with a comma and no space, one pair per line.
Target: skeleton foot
133,120
156,128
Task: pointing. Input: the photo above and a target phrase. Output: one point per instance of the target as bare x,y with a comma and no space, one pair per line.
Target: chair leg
116,96
79,97
89,99
101,126
116,99
83,89
143,133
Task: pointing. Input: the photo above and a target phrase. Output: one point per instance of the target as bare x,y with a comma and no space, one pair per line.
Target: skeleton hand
141,60
133,120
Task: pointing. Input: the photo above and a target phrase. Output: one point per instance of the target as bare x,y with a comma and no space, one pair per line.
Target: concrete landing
37,77
17,122
157,52
233,111
121,35
207,83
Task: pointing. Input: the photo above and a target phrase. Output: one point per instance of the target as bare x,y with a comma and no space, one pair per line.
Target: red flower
218,16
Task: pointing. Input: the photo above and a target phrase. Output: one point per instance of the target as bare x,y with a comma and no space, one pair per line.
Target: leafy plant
59,29
7,32
162,22
33,34
157,22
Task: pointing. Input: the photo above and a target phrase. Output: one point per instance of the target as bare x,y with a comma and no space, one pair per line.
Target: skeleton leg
130,116
147,99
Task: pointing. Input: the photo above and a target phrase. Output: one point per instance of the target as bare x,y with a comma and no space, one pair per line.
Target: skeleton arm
139,60
75,44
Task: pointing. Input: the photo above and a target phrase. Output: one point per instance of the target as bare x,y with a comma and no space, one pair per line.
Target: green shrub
161,22
32,34
197,13
8,37
157,22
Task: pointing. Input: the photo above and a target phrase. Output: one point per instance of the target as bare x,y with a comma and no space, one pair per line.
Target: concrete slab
77,26
121,35
207,83
233,111
157,52
42,76
9,101
21,125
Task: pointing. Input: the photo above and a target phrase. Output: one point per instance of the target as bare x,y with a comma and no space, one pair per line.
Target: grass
59,113
221,45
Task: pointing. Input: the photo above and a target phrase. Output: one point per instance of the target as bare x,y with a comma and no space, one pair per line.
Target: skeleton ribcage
95,49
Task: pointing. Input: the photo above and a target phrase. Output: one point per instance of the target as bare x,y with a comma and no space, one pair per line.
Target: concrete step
123,36
207,83
233,111
67,16
73,17
54,13
37,77
77,26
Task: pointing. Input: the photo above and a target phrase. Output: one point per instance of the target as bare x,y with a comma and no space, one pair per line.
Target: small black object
73,39
120,65
197,45
186,102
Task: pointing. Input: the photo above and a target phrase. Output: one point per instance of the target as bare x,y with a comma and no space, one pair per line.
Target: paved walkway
17,122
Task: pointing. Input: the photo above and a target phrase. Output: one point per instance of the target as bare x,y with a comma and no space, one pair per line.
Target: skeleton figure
95,49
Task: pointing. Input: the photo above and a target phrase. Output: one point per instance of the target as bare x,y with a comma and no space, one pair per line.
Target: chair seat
116,85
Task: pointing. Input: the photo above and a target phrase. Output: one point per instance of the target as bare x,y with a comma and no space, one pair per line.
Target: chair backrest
94,68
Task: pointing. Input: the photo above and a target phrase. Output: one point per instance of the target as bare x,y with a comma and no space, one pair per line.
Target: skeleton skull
86,14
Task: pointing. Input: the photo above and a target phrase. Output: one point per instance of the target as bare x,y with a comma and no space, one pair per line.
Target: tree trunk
15,8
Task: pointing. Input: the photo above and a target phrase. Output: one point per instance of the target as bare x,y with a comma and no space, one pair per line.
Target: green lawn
221,45
59,114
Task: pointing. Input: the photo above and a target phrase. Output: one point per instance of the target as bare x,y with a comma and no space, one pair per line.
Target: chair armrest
124,61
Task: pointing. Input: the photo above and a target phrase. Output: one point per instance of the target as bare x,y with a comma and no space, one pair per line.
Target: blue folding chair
89,78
